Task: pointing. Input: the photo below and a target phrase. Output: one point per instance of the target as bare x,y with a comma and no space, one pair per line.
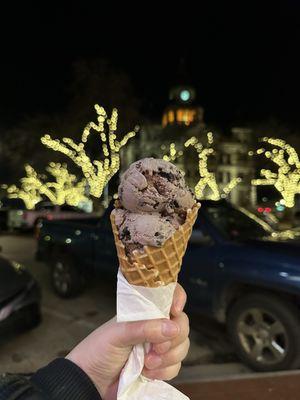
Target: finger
183,322
151,331
161,348
172,357
176,355
164,374
179,300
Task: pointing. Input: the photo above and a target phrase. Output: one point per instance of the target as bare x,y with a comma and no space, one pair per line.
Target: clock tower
182,109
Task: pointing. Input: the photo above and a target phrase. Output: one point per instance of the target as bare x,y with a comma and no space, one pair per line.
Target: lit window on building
165,120
185,116
180,116
171,117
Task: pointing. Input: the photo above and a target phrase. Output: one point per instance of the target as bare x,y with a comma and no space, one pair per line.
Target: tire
66,279
260,343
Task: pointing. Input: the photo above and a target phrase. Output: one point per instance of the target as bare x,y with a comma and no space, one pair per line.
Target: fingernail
169,328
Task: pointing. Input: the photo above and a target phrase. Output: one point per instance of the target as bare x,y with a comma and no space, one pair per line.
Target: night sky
243,60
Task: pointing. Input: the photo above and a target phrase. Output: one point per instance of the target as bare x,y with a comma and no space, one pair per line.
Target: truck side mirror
200,238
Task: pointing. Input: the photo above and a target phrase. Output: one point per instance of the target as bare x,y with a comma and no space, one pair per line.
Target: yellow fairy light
210,138
97,172
173,154
287,178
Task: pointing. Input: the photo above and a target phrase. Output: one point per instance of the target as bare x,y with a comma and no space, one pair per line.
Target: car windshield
234,224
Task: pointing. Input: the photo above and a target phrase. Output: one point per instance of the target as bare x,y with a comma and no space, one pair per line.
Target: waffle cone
156,266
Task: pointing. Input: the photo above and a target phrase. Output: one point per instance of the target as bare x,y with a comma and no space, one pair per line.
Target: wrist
64,378
86,368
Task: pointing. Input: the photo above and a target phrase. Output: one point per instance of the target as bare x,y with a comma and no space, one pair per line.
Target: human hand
103,353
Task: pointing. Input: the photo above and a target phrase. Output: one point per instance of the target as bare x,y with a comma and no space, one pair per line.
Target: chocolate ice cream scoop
143,229
154,185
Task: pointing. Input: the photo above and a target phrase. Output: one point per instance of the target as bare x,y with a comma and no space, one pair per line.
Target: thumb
127,334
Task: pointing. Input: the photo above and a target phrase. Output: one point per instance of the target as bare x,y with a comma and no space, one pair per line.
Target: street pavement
66,322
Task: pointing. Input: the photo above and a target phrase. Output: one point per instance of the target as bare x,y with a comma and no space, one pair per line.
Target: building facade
183,119
234,162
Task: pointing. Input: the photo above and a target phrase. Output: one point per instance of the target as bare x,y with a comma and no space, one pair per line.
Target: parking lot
65,322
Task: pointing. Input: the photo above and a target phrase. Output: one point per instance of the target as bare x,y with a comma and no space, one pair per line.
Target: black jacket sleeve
60,380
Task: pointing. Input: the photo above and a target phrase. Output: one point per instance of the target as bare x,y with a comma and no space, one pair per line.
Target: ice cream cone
156,266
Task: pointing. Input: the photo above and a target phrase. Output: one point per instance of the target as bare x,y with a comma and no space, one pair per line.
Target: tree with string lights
206,177
286,179
97,172
61,188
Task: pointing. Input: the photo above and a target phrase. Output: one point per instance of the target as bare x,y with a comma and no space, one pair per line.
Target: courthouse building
182,119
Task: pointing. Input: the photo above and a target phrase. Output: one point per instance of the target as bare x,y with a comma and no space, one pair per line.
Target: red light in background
260,209
268,209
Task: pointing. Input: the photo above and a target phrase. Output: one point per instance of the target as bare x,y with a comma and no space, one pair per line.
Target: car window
234,224
200,236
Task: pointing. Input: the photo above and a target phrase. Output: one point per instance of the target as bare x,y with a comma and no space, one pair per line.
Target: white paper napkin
136,303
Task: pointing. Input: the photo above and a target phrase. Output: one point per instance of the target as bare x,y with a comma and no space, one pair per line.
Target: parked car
44,210
6,205
235,271
19,298
72,249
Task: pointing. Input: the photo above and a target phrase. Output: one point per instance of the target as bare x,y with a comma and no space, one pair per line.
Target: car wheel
67,280
265,332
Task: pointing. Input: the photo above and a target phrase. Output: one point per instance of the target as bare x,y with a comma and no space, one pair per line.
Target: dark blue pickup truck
235,270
